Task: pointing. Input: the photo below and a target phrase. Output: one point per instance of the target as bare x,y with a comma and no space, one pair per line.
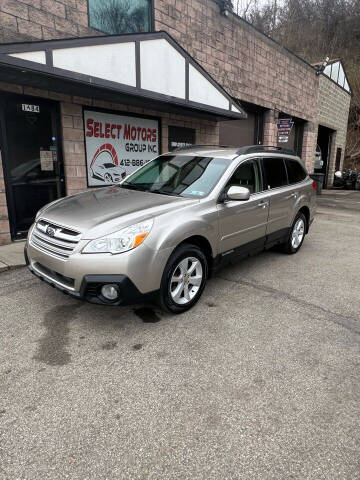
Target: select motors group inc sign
116,145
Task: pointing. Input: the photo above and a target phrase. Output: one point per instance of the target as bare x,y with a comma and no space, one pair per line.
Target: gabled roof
335,71
150,66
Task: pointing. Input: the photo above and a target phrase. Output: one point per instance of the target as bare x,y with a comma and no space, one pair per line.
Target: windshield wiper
165,193
132,187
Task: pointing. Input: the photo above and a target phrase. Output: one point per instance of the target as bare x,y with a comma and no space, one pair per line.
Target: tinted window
247,175
120,16
185,175
274,172
296,173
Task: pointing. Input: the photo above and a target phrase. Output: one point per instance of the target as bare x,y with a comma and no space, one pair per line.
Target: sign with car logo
116,145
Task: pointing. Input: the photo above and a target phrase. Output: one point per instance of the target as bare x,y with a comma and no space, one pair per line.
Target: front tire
184,279
296,235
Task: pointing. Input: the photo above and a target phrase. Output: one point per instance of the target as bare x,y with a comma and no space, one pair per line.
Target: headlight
125,239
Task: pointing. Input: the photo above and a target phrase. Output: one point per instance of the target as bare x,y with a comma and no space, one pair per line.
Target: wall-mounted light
226,7
321,68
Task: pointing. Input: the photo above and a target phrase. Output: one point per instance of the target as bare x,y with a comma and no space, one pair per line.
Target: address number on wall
30,108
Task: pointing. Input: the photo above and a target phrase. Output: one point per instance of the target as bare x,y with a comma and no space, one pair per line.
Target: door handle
294,195
263,204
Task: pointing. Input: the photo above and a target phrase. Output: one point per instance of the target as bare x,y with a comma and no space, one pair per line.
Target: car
108,172
161,233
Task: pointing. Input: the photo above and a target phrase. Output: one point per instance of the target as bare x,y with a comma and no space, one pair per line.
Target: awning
148,69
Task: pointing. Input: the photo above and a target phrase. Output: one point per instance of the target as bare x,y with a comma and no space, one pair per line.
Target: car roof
232,152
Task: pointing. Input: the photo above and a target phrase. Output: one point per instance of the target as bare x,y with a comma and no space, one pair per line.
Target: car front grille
53,239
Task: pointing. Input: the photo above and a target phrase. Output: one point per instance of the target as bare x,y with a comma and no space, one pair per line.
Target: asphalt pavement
259,381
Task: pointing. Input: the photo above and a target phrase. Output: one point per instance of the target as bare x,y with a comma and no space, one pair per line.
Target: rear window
274,172
296,172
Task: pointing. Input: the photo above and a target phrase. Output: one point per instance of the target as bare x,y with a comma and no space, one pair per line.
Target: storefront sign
116,145
30,108
284,129
46,160
180,137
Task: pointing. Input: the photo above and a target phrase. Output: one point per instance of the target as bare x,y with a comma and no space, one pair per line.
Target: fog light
110,292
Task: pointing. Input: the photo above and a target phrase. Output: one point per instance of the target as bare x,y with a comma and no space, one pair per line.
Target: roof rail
190,147
264,148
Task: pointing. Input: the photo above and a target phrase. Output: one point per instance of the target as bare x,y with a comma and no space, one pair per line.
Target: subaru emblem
50,231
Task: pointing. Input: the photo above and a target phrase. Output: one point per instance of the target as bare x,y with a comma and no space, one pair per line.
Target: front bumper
90,289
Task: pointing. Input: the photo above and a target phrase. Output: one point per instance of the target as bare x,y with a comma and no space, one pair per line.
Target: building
85,84
333,105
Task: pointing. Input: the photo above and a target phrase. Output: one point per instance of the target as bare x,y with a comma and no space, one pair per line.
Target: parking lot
259,381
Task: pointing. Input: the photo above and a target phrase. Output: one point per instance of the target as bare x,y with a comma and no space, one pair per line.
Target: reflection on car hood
105,210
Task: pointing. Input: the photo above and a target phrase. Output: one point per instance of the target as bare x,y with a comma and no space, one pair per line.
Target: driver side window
246,175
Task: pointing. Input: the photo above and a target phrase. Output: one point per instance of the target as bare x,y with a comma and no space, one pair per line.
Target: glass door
32,158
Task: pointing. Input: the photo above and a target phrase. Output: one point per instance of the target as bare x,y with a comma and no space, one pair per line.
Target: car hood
106,210
116,168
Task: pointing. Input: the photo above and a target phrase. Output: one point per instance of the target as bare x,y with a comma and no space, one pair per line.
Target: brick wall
23,20
333,112
249,65
4,223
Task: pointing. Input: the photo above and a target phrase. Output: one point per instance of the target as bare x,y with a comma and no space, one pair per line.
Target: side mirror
338,174
238,193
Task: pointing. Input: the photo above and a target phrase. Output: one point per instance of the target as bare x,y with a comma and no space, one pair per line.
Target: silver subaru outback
161,232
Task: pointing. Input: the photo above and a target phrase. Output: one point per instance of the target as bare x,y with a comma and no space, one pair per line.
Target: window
183,175
120,16
274,172
295,171
248,176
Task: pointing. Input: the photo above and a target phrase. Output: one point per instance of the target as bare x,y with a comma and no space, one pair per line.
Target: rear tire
296,235
184,279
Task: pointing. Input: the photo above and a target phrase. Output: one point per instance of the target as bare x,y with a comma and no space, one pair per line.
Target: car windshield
182,175
109,165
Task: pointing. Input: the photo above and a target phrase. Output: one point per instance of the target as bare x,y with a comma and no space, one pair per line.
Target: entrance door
324,142
31,156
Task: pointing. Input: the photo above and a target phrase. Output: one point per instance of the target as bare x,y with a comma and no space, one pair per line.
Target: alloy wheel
297,233
186,280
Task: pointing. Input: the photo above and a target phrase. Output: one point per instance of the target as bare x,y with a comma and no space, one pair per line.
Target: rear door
281,197
244,222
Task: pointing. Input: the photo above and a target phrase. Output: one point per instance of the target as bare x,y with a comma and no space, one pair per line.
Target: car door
244,222
281,196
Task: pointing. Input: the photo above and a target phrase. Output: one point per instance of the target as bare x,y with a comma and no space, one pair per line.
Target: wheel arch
306,211
204,244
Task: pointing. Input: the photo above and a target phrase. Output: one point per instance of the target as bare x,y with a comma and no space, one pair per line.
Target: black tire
181,253
287,247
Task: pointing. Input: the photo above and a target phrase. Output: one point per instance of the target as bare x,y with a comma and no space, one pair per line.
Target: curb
6,268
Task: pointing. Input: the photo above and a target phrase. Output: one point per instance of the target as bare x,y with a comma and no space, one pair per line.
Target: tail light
314,185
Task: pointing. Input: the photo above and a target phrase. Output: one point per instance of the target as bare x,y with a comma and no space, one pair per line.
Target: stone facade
251,66
29,20
333,112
